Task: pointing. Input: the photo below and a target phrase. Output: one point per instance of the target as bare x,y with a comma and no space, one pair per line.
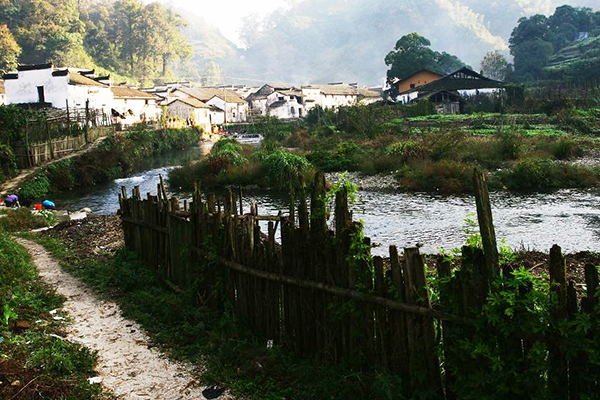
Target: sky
227,15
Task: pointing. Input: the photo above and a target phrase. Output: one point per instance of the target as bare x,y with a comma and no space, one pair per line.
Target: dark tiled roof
33,67
278,103
463,79
336,90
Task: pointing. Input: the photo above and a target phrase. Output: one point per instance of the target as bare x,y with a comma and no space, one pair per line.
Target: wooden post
486,225
423,362
558,369
87,116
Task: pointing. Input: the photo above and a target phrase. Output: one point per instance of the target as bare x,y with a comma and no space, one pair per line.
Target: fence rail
320,292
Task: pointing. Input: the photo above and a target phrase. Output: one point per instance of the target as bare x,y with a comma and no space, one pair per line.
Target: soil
127,366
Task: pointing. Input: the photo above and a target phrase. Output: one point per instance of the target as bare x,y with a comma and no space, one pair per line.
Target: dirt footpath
128,368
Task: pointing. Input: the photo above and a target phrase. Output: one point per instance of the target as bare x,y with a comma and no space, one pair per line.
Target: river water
569,218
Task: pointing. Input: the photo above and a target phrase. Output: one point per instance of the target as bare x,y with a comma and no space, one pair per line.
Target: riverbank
436,154
114,157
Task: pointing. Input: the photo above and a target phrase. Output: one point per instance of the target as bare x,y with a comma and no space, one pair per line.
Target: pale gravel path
128,368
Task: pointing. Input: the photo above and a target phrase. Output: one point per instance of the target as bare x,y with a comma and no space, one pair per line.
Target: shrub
8,161
60,175
544,174
509,144
444,176
22,219
284,167
566,148
35,188
405,149
227,149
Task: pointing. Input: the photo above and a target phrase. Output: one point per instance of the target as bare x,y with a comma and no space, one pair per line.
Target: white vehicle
248,138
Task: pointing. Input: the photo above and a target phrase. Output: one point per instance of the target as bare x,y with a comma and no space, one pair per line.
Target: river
569,218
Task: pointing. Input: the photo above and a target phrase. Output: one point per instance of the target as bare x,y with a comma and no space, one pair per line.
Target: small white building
234,107
57,87
332,95
285,104
192,110
135,106
2,93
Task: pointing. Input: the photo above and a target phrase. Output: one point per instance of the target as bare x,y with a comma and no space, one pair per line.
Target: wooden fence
61,132
320,292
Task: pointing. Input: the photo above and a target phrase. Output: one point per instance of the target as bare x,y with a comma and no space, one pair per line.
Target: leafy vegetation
127,37
35,360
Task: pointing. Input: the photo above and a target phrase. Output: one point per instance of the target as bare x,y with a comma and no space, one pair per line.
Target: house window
412,85
41,96
146,102
281,98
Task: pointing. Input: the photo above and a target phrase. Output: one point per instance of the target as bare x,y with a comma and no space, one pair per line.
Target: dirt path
128,368
12,184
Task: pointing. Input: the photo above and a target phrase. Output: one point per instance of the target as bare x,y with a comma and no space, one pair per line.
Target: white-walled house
234,107
285,104
2,93
193,110
135,106
48,85
329,96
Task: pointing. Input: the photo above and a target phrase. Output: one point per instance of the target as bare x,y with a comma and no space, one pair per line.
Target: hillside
579,61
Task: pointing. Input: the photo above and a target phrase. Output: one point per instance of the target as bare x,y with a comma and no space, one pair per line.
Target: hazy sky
227,14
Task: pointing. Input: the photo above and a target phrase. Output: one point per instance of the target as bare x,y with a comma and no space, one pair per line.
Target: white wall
291,109
56,91
24,89
235,112
141,111
199,115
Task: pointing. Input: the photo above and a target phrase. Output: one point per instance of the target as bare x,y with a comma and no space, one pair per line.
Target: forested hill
347,40
126,38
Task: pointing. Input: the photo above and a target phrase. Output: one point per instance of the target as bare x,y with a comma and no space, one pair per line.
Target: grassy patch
35,360
22,219
231,357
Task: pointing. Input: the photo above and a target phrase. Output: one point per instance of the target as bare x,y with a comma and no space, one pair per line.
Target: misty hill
320,41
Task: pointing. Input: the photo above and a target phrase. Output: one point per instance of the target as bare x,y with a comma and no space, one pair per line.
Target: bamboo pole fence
321,292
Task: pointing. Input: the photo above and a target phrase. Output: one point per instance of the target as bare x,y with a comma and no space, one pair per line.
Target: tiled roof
336,90
370,93
205,94
276,104
191,102
76,78
124,92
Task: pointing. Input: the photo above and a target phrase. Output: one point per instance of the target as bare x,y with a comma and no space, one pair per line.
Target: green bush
60,175
566,148
22,219
284,167
445,176
35,188
509,144
544,174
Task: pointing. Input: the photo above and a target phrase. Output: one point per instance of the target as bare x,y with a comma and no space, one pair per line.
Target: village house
368,96
134,106
192,110
419,78
47,85
257,101
285,104
235,108
447,93
2,93
332,95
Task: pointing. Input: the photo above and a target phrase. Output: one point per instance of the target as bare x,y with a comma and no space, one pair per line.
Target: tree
412,53
9,50
494,65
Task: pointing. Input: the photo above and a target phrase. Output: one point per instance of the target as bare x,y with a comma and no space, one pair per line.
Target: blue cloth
12,198
48,205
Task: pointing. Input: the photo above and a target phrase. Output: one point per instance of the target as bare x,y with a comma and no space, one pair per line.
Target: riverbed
570,218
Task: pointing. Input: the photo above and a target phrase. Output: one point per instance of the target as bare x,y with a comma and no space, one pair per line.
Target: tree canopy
413,53
127,37
535,40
